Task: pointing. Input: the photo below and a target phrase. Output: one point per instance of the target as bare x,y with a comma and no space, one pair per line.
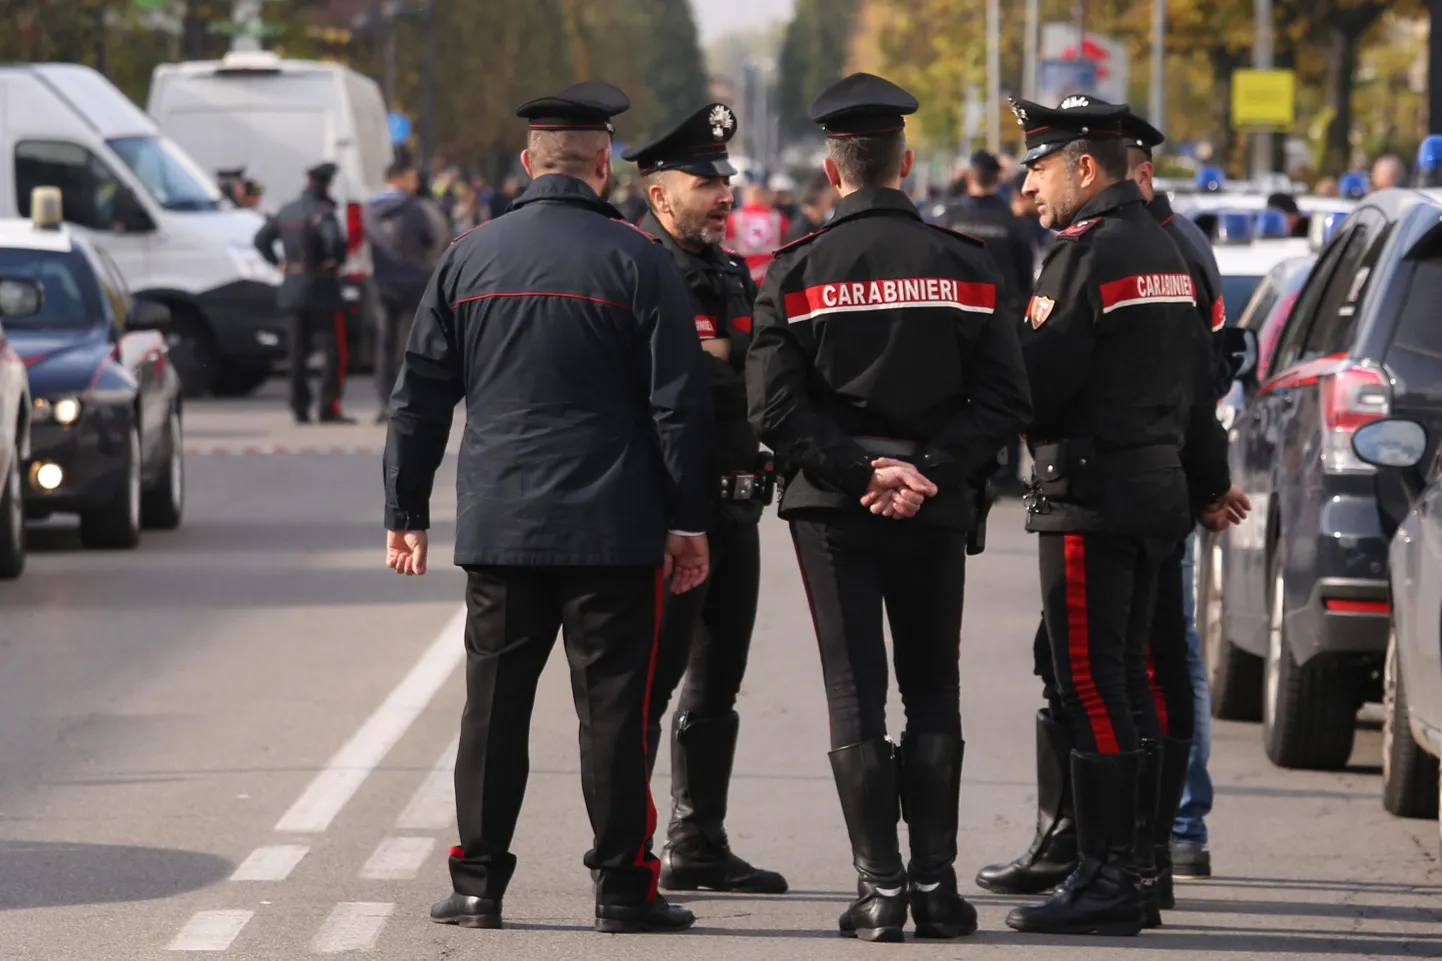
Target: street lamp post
1262,60
428,88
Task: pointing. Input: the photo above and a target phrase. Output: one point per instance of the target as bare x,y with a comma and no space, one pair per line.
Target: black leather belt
1157,457
758,485
888,446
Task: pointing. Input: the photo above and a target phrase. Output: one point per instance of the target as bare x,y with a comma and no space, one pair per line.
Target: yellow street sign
1263,99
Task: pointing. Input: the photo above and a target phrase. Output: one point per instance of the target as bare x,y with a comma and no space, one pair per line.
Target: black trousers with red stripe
853,563
1098,595
1173,703
609,616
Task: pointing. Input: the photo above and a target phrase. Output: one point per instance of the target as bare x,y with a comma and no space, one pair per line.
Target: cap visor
1036,153
708,168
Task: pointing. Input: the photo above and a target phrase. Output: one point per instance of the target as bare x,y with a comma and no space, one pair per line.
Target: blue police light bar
1429,154
1271,224
1211,178
1234,227
1353,185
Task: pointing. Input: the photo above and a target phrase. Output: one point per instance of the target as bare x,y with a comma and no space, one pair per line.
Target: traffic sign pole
1262,60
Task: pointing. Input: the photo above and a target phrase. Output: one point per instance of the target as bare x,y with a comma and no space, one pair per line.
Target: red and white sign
902,293
705,326
1148,289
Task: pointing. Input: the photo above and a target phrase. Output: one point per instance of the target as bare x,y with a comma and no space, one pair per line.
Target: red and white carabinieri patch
1148,289
901,293
1038,309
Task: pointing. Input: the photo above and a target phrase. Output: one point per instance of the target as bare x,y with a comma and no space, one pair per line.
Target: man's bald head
1388,171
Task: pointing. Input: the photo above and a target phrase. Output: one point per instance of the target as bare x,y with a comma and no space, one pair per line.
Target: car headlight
252,266
63,411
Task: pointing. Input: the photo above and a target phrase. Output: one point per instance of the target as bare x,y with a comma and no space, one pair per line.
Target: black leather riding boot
867,783
1173,784
697,853
1101,895
1149,781
930,792
1052,855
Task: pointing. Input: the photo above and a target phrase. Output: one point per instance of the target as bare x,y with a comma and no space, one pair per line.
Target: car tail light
354,228
1353,395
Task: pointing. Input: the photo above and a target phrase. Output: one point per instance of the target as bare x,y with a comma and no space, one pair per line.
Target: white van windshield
167,174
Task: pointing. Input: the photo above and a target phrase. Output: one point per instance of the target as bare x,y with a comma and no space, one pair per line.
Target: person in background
501,201
1025,208
402,241
818,200
1327,187
783,195
313,248
756,229
1389,171
1287,205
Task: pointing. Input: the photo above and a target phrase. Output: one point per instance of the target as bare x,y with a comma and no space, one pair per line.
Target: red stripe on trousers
342,360
1157,695
653,865
1079,645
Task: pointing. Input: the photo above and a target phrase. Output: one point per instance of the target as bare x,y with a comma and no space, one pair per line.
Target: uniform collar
1117,195
706,258
561,188
873,200
1161,207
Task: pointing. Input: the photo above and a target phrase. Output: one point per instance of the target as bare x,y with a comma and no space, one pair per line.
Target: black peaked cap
862,105
588,105
696,145
1047,130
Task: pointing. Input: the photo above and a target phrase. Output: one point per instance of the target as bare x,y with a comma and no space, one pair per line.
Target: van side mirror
147,315
130,216
1242,352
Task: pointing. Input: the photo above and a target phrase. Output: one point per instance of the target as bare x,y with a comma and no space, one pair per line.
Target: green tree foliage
813,56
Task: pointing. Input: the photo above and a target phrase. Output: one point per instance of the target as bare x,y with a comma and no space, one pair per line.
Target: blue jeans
1197,799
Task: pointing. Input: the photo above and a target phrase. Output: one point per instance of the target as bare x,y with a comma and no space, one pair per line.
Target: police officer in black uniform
313,250
1052,855
983,214
1117,362
568,334
706,633
885,379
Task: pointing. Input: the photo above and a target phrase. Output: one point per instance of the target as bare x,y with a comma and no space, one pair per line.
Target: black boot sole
615,926
694,882
490,922
878,935
1105,929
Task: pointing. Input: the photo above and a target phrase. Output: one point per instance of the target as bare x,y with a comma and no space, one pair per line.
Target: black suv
1304,594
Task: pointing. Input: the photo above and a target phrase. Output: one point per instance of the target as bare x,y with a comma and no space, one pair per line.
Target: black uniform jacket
1007,241
882,326
1204,456
723,296
569,333
314,246
1117,360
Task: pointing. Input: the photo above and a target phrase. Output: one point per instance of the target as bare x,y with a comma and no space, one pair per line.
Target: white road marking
352,926
398,859
334,786
210,930
433,807
270,863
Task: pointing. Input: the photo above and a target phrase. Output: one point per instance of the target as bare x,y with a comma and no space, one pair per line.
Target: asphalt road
236,740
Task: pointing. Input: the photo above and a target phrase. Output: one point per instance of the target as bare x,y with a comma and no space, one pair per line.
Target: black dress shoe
337,419
655,915
302,418
468,912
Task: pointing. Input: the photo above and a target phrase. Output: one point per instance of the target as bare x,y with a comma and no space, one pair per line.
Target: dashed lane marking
352,926
334,786
433,807
211,931
270,863
398,859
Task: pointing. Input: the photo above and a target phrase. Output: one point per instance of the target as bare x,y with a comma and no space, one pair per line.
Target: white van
158,215
278,118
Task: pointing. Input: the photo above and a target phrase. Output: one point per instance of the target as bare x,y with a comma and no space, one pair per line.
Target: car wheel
1309,713
192,352
163,504
1408,772
117,524
1234,675
12,522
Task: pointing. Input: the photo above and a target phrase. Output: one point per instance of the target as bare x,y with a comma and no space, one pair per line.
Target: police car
19,298
1247,245
105,409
